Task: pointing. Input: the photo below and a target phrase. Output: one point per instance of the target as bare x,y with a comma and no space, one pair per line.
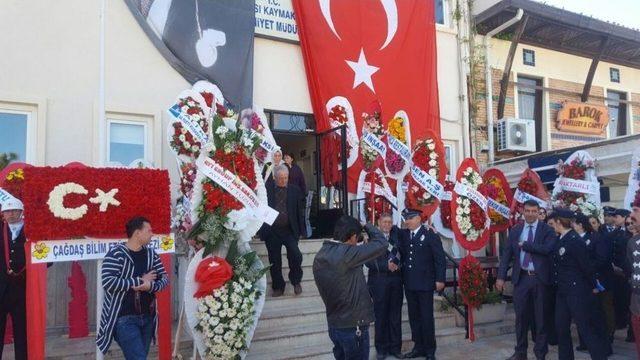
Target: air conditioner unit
516,135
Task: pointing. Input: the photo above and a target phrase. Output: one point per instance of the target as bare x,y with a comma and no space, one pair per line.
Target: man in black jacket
13,283
423,272
285,230
528,250
337,270
385,285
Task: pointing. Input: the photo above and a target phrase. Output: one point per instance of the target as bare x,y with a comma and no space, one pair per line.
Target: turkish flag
65,203
367,50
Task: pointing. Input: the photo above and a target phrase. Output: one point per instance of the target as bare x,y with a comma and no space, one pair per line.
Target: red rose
211,274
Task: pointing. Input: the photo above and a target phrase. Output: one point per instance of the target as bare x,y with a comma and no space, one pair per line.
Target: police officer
13,282
423,271
577,286
609,215
385,286
600,256
621,290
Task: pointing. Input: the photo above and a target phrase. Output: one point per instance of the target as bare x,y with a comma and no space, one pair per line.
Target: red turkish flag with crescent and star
366,50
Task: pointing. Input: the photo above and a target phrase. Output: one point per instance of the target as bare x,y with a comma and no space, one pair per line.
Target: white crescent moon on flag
391,9
325,7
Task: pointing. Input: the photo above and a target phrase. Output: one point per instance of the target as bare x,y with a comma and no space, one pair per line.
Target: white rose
182,137
432,163
433,172
431,146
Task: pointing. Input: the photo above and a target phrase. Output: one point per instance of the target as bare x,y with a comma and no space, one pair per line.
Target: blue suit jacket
540,249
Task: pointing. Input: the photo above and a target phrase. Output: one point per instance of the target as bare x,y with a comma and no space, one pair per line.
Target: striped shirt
117,279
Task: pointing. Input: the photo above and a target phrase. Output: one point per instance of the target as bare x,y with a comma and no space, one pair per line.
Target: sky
623,12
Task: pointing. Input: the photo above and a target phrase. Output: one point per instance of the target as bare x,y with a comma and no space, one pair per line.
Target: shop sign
582,118
275,18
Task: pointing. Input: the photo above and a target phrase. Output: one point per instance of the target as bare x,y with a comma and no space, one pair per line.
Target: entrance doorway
296,133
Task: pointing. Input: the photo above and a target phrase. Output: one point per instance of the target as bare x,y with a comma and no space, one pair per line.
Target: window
617,113
291,122
440,11
614,75
450,159
127,142
530,104
529,57
14,134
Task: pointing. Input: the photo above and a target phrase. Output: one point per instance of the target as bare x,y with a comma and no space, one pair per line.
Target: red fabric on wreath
211,274
481,241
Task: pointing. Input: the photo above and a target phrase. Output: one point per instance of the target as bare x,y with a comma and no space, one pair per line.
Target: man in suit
423,272
13,283
385,286
528,250
288,200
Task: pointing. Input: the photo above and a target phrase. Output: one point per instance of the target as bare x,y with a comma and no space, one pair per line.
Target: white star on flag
363,71
105,199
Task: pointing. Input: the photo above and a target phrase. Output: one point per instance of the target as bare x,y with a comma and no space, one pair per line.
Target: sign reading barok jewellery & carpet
582,118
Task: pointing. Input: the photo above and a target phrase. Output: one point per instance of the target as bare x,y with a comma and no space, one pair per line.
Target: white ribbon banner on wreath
4,196
383,190
264,142
399,148
504,211
190,124
427,182
446,196
522,197
580,186
236,187
473,194
377,144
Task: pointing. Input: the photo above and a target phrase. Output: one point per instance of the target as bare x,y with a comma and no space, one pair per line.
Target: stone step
322,350
307,260
306,246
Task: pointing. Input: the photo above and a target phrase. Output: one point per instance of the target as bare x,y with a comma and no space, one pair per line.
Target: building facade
50,75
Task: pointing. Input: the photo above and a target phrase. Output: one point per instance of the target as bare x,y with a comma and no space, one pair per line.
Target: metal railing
358,201
453,300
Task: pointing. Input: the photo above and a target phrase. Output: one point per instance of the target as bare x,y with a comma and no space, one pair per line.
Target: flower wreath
471,222
340,113
633,191
428,156
579,166
371,124
497,188
529,187
397,159
380,201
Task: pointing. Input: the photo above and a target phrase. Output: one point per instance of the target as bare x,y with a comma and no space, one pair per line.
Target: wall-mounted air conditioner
516,135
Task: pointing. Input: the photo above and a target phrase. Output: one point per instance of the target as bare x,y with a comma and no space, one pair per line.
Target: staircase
295,327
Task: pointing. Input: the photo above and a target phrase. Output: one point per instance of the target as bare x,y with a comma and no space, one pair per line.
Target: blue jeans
347,345
133,333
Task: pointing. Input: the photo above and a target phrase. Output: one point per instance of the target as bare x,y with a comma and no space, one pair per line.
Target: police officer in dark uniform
577,286
621,290
13,283
600,256
609,215
423,271
385,286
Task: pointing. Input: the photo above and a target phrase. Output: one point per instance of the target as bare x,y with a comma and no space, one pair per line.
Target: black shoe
277,292
297,289
517,356
414,354
396,354
581,348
